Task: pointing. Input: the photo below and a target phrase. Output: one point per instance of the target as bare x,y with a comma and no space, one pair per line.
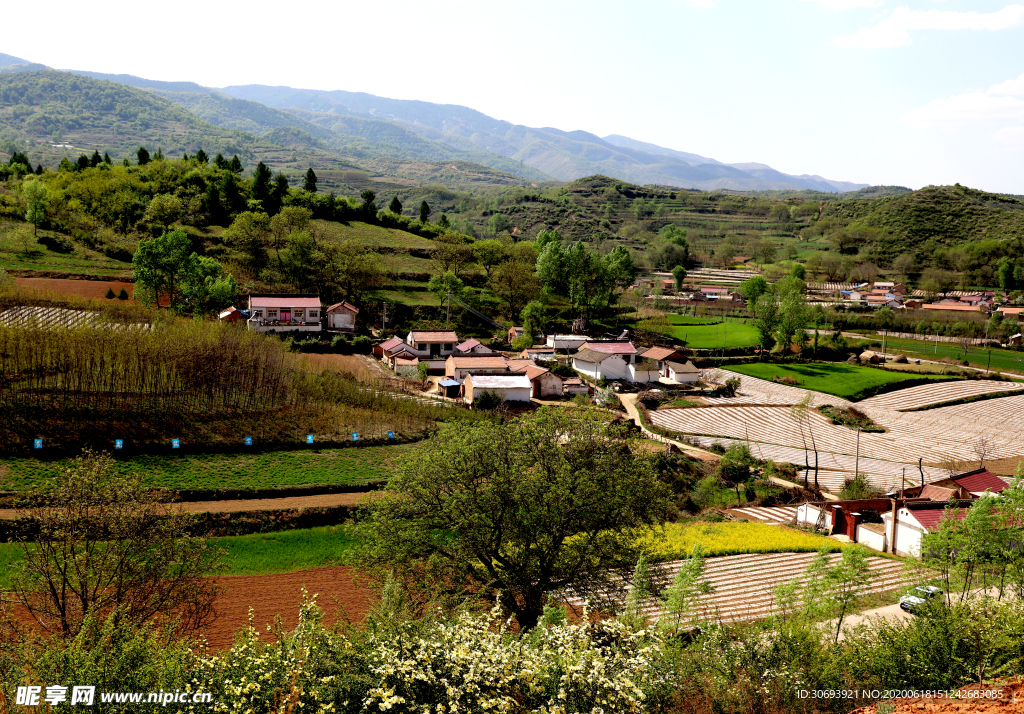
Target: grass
256,554
80,261
737,538
276,469
848,381
707,337
1002,360
286,551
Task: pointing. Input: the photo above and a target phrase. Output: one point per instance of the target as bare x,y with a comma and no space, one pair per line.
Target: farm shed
915,520
450,388
538,353
284,312
511,388
514,333
681,372
574,385
545,382
231,314
660,355
457,367
342,316
644,370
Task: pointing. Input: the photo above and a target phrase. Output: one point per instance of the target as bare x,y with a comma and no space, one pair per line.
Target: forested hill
53,113
947,214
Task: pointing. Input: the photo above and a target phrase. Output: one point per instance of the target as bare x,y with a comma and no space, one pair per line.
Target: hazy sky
875,91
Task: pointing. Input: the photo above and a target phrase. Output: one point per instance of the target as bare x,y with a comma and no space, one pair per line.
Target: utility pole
448,312
856,464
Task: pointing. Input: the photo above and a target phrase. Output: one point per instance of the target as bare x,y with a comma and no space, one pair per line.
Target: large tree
310,182
515,284
38,198
159,265
250,232
102,544
549,502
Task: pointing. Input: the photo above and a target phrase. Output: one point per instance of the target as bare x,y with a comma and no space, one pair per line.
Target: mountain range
364,127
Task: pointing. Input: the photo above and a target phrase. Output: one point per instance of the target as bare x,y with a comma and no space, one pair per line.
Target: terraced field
927,394
760,416
744,585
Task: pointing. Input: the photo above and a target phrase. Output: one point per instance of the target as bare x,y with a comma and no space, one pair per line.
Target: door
286,316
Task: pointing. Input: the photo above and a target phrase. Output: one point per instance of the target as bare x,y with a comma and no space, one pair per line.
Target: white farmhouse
284,312
511,388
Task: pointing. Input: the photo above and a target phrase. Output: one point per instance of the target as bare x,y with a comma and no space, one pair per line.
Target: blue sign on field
248,441
391,435
174,444
309,438
355,436
118,443
39,443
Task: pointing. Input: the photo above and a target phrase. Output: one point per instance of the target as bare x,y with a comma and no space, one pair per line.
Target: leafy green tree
753,288
369,206
424,211
205,288
534,317
444,223
798,271
832,590
517,510
441,285
236,165
201,157
498,224
515,284
291,219
310,182
489,254
37,198
679,275
688,587
164,209
159,155
792,309
143,156
250,232
1005,272
395,206
159,264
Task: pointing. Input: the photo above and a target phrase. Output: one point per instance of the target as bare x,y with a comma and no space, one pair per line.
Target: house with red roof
546,384
432,344
284,312
916,519
342,316
458,366
976,482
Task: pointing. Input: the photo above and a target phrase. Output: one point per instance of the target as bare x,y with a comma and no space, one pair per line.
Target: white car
918,597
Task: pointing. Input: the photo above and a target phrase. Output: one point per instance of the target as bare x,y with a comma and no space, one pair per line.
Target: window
313,313
297,314
271,313
257,313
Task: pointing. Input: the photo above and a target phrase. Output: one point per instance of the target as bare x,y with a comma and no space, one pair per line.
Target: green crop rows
354,466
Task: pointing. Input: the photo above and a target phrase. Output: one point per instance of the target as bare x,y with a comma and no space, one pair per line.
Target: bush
362,345
488,400
123,295
116,252
59,244
110,294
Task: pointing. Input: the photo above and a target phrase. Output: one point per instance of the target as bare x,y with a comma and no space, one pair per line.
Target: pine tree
159,155
201,157
39,169
219,161
184,156
106,158
236,165
96,159
310,184
83,162
424,211
66,165
143,156
123,295
110,294
395,206
261,183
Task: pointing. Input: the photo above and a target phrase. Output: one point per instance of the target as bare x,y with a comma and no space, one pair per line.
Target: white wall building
511,388
284,312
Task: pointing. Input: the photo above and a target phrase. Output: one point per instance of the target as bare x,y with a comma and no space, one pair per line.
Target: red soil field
82,288
272,595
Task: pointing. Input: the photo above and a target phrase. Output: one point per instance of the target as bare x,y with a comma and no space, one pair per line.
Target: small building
643,370
230,314
1014,339
951,307
284,312
432,343
660,355
473,346
1010,311
573,386
381,347
681,372
915,520
402,351
598,365
546,384
458,366
449,388
974,483
626,350
566,342
342,316
510,387
514,333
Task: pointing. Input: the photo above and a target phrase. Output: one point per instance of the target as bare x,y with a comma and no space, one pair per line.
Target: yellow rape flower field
732,538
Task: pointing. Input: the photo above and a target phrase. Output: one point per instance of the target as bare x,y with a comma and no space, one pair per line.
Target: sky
909,93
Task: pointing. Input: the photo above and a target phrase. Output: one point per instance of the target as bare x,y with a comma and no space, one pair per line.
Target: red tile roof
482,362
345,304
610,348
929,517
980,481
957,307
532,371
469,344
440,336
660,353
389,344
